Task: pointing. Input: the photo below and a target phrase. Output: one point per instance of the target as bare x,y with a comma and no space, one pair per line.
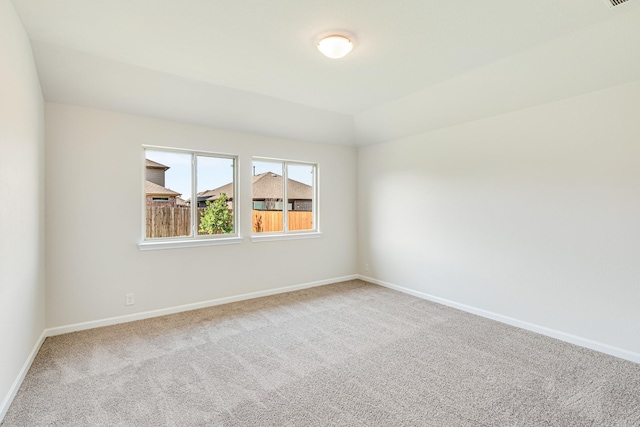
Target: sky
214,172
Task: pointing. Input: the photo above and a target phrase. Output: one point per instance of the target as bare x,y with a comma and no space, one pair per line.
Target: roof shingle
153,189
155,165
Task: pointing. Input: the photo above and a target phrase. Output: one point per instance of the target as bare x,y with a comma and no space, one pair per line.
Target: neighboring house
212,195
267,193
156,193
155,172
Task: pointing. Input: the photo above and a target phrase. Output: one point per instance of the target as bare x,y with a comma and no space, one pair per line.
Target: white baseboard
187,307
562,336
18,381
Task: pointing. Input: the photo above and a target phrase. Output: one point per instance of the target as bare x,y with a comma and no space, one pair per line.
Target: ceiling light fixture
335,46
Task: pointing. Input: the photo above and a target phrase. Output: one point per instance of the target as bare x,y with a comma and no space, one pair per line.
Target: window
284,197
188,198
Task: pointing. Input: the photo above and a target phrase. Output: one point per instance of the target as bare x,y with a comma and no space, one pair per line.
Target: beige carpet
349,354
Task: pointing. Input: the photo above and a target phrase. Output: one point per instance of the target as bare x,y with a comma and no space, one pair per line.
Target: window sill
284,236
171,244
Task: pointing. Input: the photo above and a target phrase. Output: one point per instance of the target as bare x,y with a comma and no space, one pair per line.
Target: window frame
194,239
286,234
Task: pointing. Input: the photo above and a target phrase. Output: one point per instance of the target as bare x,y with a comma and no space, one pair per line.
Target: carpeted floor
349,354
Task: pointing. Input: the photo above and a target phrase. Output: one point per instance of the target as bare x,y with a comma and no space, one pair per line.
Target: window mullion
194,196
236,205
285,204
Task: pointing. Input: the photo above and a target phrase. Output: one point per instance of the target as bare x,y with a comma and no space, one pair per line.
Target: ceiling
252,65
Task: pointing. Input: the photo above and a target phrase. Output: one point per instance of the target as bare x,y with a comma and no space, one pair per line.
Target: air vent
614,3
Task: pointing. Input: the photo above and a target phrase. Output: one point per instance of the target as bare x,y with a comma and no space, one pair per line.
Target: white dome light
335,47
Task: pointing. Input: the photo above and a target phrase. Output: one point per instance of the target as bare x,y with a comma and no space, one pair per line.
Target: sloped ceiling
252,65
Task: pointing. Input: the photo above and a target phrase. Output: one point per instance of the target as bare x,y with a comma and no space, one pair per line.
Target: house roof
155,165
216,192
153,189
267,185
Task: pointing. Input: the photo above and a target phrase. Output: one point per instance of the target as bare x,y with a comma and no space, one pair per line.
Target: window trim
285,234
194,239
276,235
150,245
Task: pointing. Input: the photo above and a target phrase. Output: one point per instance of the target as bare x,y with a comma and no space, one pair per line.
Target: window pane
300,196
267,189
214,177
167,189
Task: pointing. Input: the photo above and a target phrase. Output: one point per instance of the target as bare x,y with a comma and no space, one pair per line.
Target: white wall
21,202
532,215
93,182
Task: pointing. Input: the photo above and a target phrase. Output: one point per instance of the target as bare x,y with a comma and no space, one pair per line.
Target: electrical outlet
366,266
128,299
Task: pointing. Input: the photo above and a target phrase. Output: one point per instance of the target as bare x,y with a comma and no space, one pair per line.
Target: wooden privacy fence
267,221
168,221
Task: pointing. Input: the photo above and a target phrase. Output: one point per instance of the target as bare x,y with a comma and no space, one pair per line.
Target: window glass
167,185
300,191
268,193
214,195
